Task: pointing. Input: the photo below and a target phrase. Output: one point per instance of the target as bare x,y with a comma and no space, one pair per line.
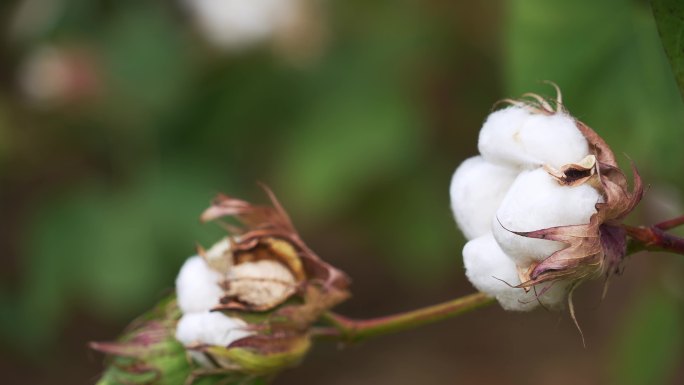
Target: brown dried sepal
574,174
266,233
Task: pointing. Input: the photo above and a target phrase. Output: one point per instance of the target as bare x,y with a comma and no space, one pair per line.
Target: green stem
352,330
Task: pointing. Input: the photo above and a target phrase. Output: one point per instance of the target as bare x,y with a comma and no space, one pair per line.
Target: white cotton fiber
487,267
499,140
197,286
491,271
536,201
477,188
550,295
517,138
210,328
553,140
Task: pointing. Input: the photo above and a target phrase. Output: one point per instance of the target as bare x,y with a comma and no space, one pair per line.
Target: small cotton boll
264,283
197,286
492,272
513,136
210,328
536,201
477,188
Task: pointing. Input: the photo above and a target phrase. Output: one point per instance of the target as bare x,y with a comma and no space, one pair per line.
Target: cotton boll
477,188
536,201
197,286
210,328
491,271
513,136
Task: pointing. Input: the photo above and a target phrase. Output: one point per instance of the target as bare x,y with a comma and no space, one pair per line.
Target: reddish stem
655,238
670,223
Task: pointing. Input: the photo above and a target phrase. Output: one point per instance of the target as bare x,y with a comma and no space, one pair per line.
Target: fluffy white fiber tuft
554,139
492,272
477,188
517,138
487,267
210,328
197,286
536,201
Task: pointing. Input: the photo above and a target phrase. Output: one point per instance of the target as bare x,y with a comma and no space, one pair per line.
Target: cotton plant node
244,308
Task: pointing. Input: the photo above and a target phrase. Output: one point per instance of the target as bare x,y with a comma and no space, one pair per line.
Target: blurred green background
119,120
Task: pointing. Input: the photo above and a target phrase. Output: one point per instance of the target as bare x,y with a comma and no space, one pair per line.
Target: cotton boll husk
536,201
197,286
263,283
513,136
477,188
210,328
492,272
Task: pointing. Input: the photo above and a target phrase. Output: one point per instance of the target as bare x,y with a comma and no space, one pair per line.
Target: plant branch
670,223
655,238
346,329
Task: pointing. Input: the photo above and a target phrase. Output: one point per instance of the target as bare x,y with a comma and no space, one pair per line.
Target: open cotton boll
492,272
197,286
210,328
536,201
477,188
516,137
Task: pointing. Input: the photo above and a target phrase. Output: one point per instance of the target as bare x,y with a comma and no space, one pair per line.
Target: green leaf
669,16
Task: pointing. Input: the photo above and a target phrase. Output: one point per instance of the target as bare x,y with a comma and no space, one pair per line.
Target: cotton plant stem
670,223
346,329
655,238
